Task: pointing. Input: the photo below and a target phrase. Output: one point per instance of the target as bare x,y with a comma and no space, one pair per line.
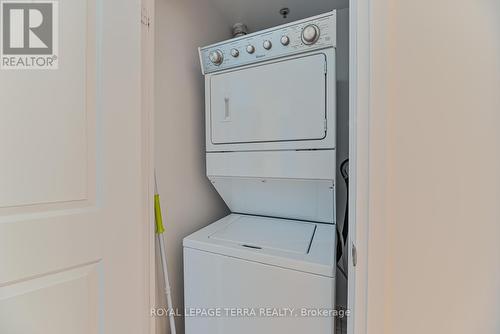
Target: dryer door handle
227,114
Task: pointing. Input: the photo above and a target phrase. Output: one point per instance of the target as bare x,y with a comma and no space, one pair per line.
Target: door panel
49,140
72,237
70,296
55,139
282,101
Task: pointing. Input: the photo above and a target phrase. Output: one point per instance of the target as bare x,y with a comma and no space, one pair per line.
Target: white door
278,101
72,238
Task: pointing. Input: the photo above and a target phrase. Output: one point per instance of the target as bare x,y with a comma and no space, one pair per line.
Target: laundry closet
251,148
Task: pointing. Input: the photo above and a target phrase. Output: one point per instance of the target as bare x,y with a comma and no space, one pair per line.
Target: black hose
344,171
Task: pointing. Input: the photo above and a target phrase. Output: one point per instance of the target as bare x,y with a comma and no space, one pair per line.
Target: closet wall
189,201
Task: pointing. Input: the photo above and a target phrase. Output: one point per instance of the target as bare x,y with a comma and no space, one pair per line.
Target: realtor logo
29,37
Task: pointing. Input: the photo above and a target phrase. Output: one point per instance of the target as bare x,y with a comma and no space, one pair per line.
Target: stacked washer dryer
269,266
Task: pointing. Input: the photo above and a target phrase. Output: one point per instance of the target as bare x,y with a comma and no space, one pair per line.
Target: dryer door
278,101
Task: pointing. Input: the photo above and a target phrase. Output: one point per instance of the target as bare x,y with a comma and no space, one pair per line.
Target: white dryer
269,267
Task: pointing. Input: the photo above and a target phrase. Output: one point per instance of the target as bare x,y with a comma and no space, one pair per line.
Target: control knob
285,40
310,34
250,48
216,57
235,53
267,44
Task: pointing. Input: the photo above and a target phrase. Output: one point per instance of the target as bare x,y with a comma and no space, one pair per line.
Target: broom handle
159,232
167,283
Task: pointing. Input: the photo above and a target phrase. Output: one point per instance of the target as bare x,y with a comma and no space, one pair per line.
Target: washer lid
290,244
267,233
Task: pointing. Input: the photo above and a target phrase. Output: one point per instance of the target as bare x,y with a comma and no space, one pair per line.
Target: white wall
188,200
435,189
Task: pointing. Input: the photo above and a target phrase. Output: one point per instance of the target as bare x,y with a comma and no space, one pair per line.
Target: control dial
250,48
285,40
216,57
310,34
267,44
235,53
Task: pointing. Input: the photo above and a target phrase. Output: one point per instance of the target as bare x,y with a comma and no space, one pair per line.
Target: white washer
269,267
242,263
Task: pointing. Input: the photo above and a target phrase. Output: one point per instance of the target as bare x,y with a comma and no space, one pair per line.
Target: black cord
342,271
344,171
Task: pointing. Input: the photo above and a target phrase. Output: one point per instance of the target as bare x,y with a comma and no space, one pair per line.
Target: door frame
360,103
147,15
360,87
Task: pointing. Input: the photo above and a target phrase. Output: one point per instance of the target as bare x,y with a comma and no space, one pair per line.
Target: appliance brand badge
29,35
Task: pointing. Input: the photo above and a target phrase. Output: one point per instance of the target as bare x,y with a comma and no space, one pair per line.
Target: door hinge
326,67
145,17
326,125
354,255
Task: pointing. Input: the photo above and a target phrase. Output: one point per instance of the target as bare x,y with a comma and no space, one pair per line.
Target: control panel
317,32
